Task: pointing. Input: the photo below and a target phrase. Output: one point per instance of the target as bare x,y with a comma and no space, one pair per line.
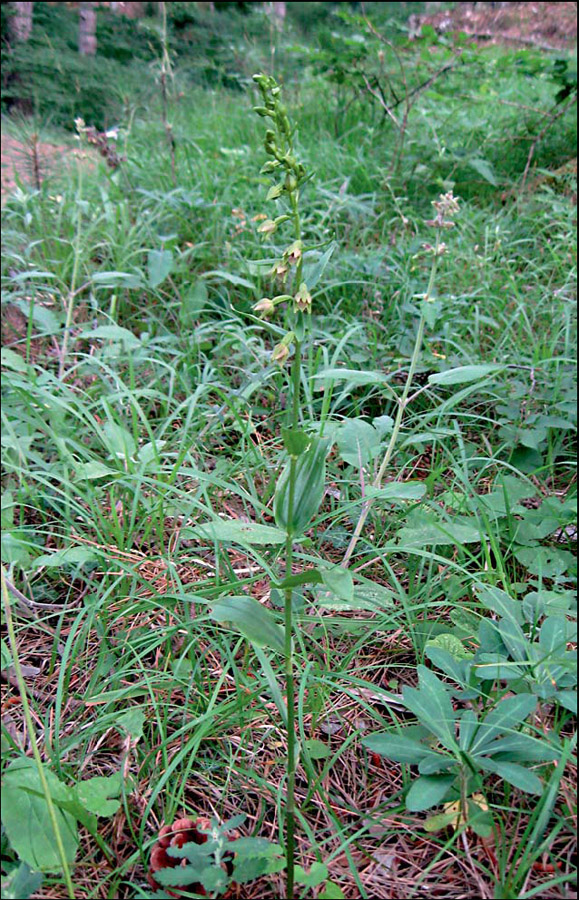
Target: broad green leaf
159,265
255,857
398,490
463,374
94,469
116,279
484,168
15,547
358,442
500,602
523,747
502,718
352,376
314,271
132,722
567,699
68,556
99,795
21,883
12,360
516,775
26,819
332,891
317,874
451,644
252,619
468,728
113,333
317,749
295,441
431,704
515,640
553,635
118,441
428,791
310,480
398,747
237,532
231,279
425,528
193,302
339,581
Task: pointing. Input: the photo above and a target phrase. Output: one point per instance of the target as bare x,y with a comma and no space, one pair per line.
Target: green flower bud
280,354
265,306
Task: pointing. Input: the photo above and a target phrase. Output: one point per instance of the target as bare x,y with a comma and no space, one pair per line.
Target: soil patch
547,26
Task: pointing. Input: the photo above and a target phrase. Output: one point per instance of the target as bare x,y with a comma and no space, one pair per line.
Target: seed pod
310,478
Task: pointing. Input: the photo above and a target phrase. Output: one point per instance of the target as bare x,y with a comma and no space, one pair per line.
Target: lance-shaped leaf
431,704
252,619
518,776
428,791
310,478
509,712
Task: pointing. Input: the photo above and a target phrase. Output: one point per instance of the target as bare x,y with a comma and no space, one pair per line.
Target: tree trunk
19,22
87,42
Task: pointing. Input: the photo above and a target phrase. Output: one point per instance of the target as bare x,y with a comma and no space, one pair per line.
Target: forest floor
548,26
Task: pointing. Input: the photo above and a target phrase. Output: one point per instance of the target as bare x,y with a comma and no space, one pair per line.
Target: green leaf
516,775
358,442
21,883
567,699
231,279
451,644
317,749
193,302
132,722
398,747
314,271
500,602
352,376
119,442
431,704
252,619
428,791
93,470
26,818
12,360
159,265
6,657
255,857
98,795
317,874
310,479
295,441
68,556
523,747
332,891
463,374
116,279
398,490
484,168
236,531
113,333
339,581
502,718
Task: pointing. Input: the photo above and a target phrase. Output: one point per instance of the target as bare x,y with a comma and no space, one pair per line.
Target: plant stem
288,622
74,277
402,404
32,735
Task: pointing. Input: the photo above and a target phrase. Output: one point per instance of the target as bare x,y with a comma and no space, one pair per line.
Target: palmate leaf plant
522,649
456,751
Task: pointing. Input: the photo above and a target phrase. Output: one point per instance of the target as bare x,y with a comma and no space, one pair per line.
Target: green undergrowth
140,402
